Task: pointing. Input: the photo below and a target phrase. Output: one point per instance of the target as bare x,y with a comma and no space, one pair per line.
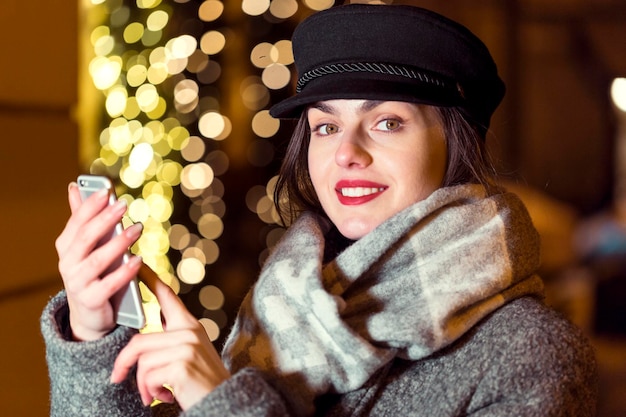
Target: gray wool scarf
409,288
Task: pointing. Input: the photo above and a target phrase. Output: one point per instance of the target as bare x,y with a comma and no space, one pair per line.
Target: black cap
395,53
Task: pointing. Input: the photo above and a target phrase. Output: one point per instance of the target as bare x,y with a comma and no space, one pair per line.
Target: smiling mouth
359,191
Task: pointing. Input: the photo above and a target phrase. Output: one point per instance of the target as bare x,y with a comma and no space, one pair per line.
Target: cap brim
364,87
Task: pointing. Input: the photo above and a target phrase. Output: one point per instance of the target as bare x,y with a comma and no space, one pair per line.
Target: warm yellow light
132,109
159,109
265,210
108,157
210,249
148,4
210,10
197,176
270,187
284,52
176,65
141,156
255,7
198,61
136,75
153,241
157,73
99,32
618,93
104,45
160,188
139,210
211,124
186,91
193,149
115,103
283,9
261,55
169,172
160,207
147,97
212,42
210,226
211,328
156,91
130,177
182,46
319,4
211,297
177,137
105,71
179,236
157,20
133,32
120,138
276,76
190,270
265,125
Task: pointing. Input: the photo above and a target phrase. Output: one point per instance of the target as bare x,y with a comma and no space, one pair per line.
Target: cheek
316,172
427,169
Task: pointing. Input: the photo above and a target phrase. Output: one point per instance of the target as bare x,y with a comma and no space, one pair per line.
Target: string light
162,99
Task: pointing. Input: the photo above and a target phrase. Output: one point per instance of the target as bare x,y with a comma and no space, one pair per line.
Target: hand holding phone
126,302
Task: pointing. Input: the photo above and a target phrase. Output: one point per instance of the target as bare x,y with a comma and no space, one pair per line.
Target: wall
38,158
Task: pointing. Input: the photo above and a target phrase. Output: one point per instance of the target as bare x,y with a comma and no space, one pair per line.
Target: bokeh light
618,93
174,109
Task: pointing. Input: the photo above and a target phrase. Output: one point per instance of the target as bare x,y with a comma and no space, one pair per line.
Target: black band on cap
378,68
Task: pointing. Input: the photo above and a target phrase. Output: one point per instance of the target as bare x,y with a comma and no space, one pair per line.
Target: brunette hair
467,162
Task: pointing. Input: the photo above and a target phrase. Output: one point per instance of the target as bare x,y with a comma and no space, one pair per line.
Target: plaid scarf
410,287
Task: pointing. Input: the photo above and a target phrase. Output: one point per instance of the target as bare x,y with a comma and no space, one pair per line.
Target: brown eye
328,129
388,124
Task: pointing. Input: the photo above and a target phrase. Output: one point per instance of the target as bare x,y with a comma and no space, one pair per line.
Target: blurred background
170,99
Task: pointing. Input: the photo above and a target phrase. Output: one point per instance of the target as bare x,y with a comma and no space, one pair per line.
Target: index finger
173,310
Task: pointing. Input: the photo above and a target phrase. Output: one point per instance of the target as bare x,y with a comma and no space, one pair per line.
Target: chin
354,230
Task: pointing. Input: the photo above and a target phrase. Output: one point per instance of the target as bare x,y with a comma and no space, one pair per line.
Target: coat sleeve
79,379
79,371
246,394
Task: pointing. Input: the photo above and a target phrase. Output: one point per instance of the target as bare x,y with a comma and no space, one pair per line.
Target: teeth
359,191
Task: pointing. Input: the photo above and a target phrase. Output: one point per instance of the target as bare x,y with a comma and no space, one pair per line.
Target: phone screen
126,302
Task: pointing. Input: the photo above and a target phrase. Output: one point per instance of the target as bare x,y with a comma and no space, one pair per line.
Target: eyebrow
366,106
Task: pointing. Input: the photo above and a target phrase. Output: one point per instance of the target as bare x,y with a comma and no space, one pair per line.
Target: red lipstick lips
355,192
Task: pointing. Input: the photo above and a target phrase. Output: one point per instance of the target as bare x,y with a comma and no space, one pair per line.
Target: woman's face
368,160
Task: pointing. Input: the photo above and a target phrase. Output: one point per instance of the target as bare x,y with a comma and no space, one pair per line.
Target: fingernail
120,206
71,186
134,231
134,261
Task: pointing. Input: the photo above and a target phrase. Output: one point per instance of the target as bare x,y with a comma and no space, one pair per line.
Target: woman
405,286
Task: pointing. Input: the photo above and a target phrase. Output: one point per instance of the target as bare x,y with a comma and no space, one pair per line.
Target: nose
352,151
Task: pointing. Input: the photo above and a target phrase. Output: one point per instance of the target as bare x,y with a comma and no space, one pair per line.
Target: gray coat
522,360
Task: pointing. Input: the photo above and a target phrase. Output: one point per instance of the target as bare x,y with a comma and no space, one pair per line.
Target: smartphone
126,302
